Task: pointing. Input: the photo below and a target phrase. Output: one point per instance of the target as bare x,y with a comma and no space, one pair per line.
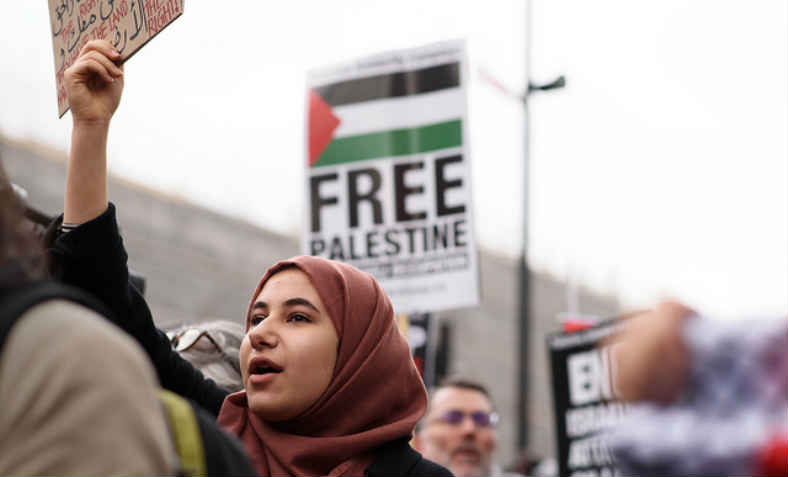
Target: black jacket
399,458
92,258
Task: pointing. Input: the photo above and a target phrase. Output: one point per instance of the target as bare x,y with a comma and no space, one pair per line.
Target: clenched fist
94,83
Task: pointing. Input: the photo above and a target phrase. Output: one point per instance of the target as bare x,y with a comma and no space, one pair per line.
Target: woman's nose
263,335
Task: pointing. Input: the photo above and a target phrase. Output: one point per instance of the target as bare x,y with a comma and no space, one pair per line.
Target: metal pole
524,274
432,321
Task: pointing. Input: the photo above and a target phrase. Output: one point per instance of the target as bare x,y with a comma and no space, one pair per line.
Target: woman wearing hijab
330,385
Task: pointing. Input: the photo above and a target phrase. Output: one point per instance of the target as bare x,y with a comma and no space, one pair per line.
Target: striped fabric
733,408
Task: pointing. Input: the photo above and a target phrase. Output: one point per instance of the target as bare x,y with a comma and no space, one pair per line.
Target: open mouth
263,366
265,370
262,372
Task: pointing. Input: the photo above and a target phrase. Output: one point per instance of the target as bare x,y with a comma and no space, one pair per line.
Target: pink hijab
375,395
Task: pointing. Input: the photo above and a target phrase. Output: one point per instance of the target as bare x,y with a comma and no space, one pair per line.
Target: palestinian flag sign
388,174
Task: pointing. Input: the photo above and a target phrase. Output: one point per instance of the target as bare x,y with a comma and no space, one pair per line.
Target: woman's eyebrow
260,305
301,301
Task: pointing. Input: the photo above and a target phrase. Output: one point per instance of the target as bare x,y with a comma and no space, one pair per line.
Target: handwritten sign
127,24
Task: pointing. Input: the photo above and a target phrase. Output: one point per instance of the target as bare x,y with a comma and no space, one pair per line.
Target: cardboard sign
388,174
127,24
584,400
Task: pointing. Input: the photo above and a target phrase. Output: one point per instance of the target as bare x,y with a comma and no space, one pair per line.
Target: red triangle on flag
322,124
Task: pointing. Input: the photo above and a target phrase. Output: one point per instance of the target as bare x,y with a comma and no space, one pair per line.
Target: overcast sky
660,170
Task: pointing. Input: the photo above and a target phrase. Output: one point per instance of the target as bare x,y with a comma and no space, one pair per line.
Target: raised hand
94,83
651,357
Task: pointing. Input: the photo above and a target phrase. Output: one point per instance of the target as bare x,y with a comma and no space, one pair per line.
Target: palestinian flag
385,115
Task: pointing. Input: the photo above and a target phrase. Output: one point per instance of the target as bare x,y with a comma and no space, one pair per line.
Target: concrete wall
198,264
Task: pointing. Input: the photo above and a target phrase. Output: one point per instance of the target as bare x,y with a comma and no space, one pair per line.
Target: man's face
465,447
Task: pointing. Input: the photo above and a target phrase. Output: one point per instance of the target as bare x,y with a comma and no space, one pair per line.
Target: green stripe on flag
399,142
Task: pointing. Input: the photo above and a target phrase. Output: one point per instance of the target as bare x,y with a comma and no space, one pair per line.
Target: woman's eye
256,320
298,318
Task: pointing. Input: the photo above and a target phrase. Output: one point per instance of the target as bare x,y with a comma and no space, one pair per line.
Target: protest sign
388,174
421,331
126,24
584,400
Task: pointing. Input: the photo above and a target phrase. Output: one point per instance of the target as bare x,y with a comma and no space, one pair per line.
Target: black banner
584,400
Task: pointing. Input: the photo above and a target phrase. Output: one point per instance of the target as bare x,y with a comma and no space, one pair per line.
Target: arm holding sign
91,255
94,84
708,395
651,356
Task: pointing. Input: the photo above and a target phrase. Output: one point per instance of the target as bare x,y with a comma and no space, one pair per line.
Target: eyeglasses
479,418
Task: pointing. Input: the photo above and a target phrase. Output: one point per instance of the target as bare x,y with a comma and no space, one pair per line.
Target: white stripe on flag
398,113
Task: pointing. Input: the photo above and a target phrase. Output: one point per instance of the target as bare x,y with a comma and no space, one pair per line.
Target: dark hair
463,383
22,256
455,382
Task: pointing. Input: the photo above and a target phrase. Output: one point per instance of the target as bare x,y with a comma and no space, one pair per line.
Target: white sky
661,170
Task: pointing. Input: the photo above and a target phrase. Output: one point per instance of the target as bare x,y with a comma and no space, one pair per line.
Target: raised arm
94,84
91,255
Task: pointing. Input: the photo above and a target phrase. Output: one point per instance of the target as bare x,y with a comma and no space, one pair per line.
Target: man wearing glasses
458,430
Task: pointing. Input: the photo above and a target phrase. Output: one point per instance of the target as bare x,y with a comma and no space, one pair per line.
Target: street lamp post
524,271
524,277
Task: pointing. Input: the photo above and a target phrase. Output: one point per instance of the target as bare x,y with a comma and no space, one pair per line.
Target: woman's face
289,352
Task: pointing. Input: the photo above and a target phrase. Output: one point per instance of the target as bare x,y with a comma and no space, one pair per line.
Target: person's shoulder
224,454
46,298
399,458
427,467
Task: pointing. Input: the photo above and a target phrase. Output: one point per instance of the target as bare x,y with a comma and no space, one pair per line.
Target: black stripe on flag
392,85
